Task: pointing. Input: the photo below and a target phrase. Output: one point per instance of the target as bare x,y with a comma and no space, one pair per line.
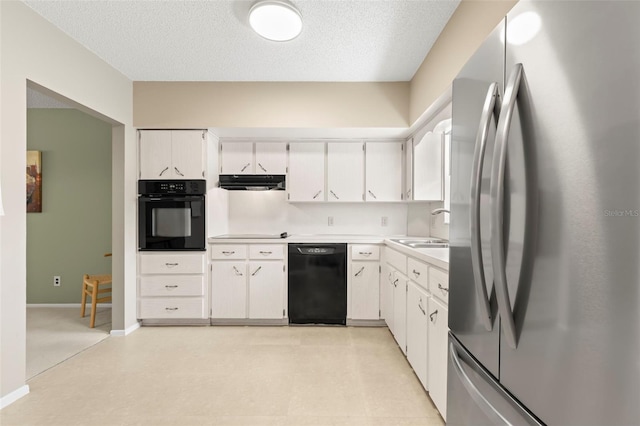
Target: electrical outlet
56,281
384,220
330,221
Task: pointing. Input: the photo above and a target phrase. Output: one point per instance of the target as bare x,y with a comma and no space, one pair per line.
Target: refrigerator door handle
491,109
473,391
497,205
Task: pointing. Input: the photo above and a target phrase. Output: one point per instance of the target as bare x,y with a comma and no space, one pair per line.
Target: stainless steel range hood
253,182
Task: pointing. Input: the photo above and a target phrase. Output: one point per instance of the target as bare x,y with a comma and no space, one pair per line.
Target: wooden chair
94,286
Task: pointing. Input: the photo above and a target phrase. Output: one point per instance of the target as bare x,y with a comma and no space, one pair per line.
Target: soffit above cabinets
346,40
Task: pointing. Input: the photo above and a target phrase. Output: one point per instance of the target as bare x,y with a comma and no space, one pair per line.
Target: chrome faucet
438,211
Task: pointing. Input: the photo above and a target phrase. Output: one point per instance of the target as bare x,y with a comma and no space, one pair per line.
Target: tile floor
253,376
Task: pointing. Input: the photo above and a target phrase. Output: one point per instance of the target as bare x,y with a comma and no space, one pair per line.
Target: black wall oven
171,215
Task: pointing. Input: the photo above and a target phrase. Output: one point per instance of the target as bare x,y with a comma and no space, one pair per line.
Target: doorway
71,234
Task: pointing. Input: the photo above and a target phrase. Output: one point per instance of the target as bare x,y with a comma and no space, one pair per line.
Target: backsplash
420,222
269,212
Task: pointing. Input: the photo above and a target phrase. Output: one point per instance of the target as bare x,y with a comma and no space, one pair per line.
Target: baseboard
175,321
366,323
65,305
127,331
13,396
246,321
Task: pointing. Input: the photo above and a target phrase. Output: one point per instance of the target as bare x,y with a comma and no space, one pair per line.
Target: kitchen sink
422,243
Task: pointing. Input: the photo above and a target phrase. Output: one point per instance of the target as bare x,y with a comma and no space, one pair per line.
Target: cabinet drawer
228,251
439,284
266,251
396,259
172,285
173,307
418,272
172,263
365,252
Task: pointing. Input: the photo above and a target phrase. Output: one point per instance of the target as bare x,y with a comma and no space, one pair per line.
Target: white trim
65,305
13,396
125,332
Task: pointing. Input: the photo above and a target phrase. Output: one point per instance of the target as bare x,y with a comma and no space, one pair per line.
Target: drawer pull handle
359,272
416,273
171,265
366,253
228,253
238,273
256,271
317,193
266,253
171,286
245,167
432,315
421,308
171,309
395,283
443,288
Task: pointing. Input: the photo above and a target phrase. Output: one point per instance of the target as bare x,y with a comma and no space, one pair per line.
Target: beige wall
471,23
270,104
32,49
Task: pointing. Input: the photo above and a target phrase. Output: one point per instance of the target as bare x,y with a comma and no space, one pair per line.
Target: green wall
71,235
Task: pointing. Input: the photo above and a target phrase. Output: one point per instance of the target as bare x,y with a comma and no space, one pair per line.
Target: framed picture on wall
34,181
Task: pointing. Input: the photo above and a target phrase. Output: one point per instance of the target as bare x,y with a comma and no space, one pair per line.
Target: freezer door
576,301
472,311
475,397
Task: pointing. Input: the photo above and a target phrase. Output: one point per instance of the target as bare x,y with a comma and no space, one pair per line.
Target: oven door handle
180,199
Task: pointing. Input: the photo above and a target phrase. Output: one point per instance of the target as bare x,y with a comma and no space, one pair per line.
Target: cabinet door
306,171
365,290
417,342
155,154
428,175
345,171
383,171
187,154
408,170
438,328
400,311
236,158
271,158
386,295
266,290
228,289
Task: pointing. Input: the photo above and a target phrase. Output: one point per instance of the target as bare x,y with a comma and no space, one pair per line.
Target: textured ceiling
341,40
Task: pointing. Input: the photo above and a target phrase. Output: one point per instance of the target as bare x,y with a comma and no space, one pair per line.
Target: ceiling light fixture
275,20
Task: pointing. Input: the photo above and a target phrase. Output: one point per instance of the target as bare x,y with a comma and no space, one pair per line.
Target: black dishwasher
317,284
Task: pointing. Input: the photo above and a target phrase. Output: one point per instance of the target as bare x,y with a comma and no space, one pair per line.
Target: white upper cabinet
428,170
172,154
236,158
345,171
271,158
249,158
305,181
383,171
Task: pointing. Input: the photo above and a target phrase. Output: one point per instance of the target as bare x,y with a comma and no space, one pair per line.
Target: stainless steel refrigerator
544,307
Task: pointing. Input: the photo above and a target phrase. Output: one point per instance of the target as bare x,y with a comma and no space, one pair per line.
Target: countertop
436,256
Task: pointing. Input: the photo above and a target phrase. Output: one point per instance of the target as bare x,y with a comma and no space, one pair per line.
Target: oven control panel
170,187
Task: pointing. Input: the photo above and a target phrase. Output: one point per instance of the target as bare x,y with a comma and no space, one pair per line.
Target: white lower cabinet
172,286
417,330
400,284
228,289
248,281
363,283
438,335
266,290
